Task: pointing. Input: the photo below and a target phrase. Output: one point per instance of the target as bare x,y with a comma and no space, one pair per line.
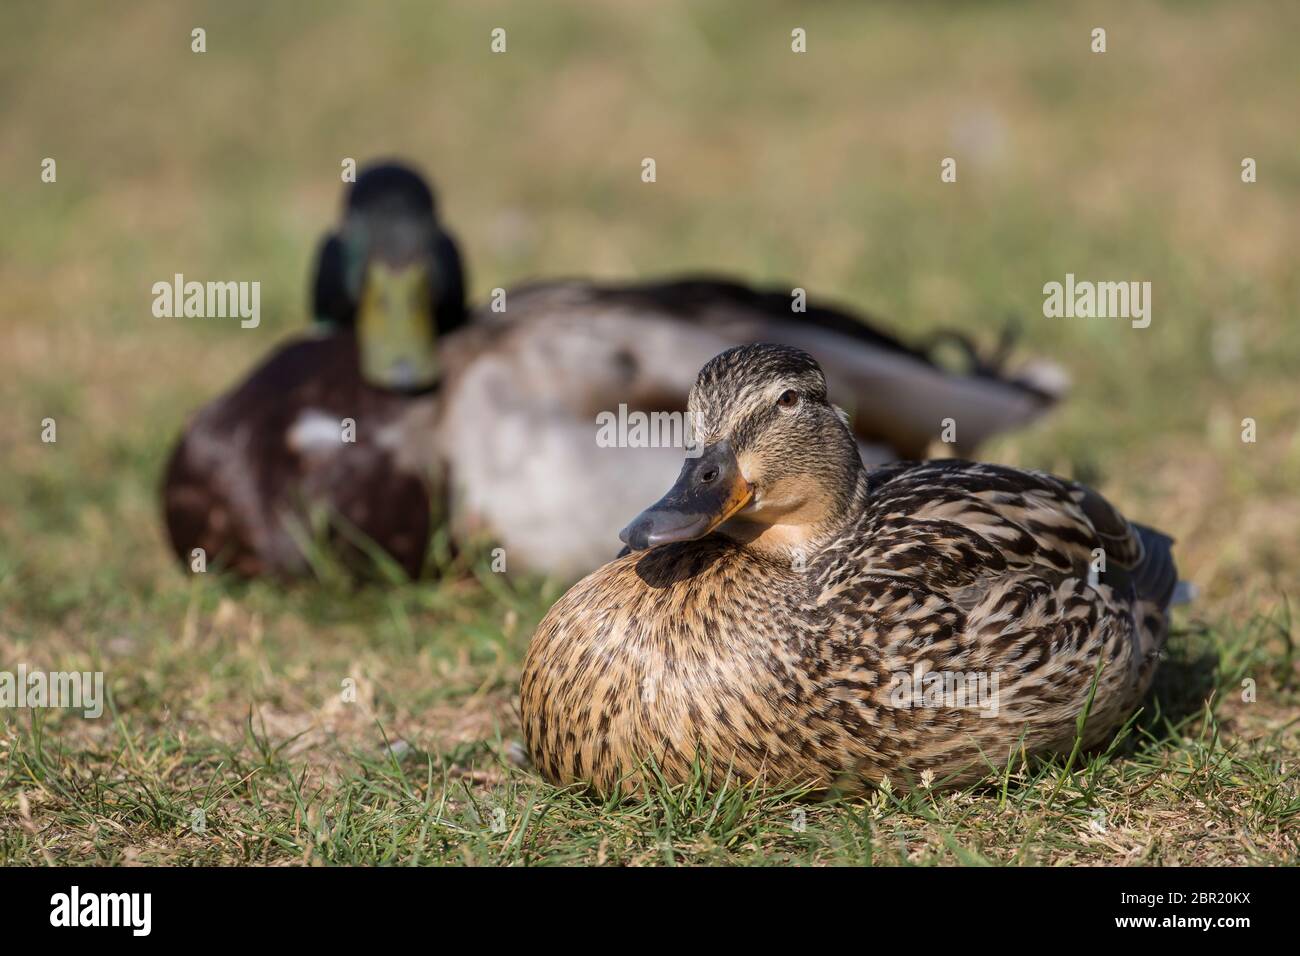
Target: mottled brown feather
720,651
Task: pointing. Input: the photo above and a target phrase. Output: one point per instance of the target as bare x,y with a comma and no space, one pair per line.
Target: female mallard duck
494,420
788,615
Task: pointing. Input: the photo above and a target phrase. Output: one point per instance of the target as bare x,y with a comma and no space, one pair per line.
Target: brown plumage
783,606
258,466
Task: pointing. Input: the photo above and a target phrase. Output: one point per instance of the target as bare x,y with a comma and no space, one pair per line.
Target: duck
486,419
785,614
326,436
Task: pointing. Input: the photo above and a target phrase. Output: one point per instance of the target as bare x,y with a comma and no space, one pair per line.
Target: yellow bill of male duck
784,614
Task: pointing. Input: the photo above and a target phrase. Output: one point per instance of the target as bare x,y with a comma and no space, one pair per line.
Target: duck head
394,274
777,466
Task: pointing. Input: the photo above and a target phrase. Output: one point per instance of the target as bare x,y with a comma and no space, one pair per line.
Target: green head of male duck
778,466
393,274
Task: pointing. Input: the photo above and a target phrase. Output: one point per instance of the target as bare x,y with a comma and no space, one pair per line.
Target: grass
229,739
416,772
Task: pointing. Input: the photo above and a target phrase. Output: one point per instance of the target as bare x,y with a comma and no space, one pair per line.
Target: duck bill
395,331
709,490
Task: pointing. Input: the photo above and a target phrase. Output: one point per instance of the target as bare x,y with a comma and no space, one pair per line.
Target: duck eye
789,399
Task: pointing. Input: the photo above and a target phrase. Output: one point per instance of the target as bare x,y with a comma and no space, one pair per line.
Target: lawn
324,724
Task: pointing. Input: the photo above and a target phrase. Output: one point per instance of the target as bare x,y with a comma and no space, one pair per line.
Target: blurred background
820,170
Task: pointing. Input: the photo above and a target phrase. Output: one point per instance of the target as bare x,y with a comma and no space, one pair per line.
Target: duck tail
1155,577
1044,377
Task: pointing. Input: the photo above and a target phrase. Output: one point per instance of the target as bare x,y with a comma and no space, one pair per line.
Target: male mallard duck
336,422
503,409
789,615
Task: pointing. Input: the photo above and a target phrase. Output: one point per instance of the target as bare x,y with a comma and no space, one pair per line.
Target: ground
228,739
